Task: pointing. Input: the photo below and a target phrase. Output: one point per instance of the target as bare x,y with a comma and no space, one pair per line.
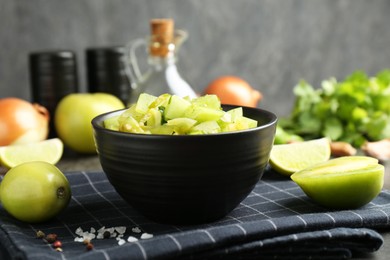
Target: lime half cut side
290,158
50,151
342,183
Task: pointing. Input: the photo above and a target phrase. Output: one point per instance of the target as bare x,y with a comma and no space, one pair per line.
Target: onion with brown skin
234,91
22,122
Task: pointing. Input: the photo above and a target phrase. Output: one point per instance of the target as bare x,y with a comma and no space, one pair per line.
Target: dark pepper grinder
106,71
53,75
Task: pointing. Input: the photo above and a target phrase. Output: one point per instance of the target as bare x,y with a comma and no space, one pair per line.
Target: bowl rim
96,123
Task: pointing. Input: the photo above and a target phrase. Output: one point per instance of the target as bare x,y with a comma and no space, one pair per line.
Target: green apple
74,114
342,183
34,191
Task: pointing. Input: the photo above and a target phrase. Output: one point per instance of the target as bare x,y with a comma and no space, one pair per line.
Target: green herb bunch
355,110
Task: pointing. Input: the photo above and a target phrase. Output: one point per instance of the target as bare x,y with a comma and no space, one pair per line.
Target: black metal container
106,72
53,75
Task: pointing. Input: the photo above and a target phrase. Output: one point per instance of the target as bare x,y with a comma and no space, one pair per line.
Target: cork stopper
162,36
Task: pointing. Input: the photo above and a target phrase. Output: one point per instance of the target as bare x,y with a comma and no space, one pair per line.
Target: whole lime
34,191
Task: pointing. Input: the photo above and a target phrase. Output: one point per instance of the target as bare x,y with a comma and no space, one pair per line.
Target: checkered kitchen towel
275,220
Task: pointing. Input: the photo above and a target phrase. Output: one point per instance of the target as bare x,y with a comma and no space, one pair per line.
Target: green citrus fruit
342,183
290,158
34,191
49,151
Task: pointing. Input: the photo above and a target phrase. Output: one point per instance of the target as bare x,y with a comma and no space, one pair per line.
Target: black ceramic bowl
185,179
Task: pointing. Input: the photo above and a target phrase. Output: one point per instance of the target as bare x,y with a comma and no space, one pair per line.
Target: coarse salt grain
88,236
120,230
84,235
136,230
121,242
132,239
79,231
146,236
102,229
78,239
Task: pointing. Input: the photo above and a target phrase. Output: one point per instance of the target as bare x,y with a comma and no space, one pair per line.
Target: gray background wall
270,43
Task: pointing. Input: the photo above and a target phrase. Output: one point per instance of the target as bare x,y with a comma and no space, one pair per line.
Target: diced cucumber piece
154,118
208,127
235,113
182,125
176,107
143,102
226,118
210,101
131,126
245,123
203,114
161,101
241,123
231,115
228,127
163,130
112,123
130,112
188,98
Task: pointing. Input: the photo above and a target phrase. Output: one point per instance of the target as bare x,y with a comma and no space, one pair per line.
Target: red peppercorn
51,238
89,246
57,244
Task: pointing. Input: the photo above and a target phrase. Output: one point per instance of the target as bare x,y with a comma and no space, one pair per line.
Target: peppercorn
50,238
106,234
57,244
40,234
89,246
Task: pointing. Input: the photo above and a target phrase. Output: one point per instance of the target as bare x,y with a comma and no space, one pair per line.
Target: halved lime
48,151
342,183
290,158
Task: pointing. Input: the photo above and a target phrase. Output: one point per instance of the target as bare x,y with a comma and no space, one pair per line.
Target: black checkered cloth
276,220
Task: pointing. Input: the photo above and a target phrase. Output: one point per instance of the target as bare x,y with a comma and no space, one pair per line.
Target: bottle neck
162,62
